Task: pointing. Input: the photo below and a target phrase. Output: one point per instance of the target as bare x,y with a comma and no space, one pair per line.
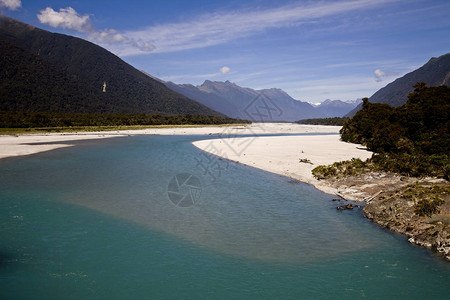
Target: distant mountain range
49,72
258,105
336,108
435,72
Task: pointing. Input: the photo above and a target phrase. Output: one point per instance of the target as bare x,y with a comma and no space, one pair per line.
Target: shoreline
28,144
386,204
290,156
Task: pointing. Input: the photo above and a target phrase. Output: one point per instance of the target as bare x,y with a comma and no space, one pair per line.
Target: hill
50,72
435,72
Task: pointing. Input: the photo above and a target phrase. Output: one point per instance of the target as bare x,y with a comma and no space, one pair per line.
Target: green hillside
43,71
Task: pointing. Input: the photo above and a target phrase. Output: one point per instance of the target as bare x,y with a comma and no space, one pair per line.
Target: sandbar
291,156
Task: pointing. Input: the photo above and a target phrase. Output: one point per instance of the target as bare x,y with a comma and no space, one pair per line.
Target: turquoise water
95,222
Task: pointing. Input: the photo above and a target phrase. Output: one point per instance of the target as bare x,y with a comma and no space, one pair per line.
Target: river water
152,217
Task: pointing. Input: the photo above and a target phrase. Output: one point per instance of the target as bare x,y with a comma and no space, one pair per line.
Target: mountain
336,108
44,71
246,103
435,72
29,83
208,99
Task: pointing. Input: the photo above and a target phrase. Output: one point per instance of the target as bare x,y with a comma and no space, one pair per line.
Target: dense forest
48,119
336,121
413,139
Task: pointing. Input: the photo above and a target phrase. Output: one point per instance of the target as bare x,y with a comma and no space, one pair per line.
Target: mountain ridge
236,101
88,66
435,72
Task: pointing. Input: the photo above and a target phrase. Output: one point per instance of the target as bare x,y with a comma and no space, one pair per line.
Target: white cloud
66,18
224,70
11,4
379,75
217,28
107,35
111,37
203,30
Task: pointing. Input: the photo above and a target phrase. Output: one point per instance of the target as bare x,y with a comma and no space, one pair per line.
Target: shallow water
96,221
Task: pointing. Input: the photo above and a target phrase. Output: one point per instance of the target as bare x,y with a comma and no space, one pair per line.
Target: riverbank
291,156
26,144
392,203
388,197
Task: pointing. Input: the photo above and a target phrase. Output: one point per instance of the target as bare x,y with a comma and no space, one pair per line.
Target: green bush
344,168
324,172
427,207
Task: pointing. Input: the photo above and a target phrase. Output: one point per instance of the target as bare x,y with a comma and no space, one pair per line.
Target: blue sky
314,50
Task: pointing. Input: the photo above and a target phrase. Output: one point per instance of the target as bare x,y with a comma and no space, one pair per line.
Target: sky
313,50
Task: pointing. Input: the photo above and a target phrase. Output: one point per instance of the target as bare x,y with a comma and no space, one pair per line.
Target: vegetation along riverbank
406,181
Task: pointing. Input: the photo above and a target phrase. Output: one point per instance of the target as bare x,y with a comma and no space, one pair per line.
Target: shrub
427,207
324,172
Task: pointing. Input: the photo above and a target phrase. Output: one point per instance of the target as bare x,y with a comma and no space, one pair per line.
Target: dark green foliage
413,165
421,125
413,139
368,124
46,119
28,83
337,121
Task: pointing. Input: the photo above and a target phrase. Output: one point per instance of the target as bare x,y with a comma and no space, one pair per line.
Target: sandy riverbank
282,154
34,143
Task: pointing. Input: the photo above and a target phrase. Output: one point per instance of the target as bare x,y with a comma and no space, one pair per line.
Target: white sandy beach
282,154
276,154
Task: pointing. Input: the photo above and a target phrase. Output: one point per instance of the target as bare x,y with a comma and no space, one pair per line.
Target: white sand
26,144
281,155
